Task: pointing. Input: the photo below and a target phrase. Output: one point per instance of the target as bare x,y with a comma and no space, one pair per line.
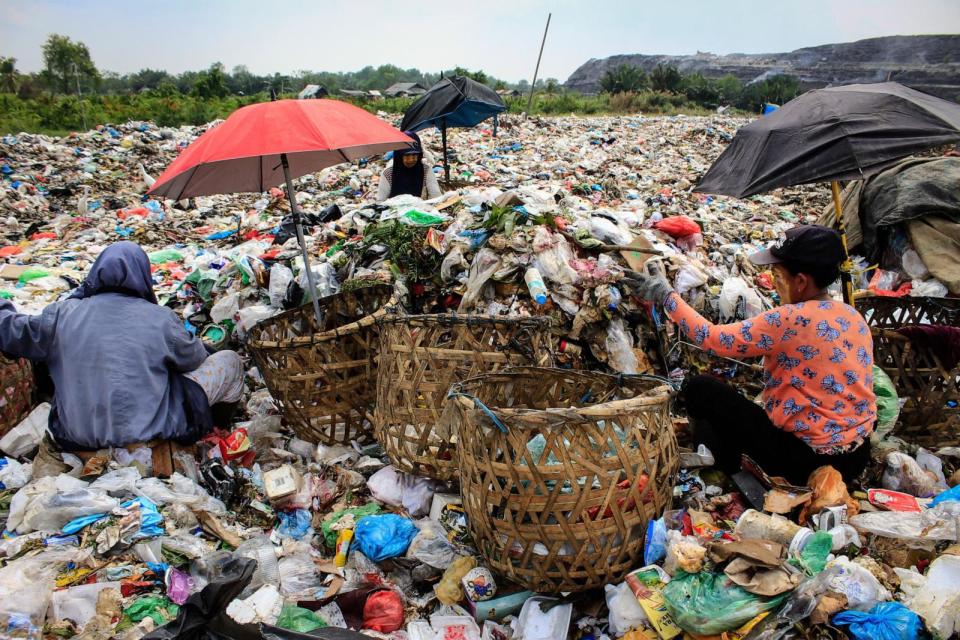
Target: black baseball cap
809,244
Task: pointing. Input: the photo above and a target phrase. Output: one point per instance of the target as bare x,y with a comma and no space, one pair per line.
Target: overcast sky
499,36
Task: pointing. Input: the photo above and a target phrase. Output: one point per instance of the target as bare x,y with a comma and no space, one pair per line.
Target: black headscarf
122,267
404,180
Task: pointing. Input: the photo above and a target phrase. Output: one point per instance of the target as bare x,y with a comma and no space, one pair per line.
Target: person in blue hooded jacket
125,370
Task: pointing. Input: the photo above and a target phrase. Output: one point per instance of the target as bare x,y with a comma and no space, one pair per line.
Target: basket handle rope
479,405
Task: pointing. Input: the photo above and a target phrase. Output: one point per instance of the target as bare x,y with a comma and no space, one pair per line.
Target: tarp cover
459,101
838,133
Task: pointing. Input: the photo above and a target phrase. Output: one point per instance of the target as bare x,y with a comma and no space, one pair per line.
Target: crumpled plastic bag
935,597
930,525
619,345
888,404
552,256
399,489
710,603
26,436
733,291
885,621
430,546
280,278
298,577
13,474
485,264
383,611
677,226
384,536
905,474
829,490
689,277
860,586
118,482
625,610
684,553
51,511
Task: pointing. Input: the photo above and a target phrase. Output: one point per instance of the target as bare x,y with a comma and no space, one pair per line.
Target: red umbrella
262,145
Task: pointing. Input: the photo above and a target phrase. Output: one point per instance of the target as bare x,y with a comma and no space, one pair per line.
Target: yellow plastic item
450,591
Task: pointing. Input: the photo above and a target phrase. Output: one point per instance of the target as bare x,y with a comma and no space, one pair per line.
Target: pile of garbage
550,213
261,533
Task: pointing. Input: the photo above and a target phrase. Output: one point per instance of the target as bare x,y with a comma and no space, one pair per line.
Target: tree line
69,69
701,90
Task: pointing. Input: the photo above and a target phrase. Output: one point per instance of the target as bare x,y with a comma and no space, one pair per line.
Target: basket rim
322,336
454,319
654,396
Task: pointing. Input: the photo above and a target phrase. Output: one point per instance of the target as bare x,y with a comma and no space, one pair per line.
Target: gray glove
647,287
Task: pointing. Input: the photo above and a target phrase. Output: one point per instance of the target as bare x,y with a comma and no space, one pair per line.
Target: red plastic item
46,235
893,500
12,250
874,288
142,212
383,612
678,226
765,281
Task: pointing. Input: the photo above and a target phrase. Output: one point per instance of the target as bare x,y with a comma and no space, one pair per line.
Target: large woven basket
16,392
420,357
324,378
562,470
927,385
890,313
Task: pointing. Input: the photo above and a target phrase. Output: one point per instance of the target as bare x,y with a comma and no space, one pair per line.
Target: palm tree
9,78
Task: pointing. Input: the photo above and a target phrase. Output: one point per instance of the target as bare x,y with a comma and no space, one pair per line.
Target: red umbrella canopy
243,152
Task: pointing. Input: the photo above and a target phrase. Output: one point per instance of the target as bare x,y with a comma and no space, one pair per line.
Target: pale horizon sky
501,37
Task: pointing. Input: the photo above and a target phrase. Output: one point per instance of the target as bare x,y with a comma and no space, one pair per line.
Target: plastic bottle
754,524
538,290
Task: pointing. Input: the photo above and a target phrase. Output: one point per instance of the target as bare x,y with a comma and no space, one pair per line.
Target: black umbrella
827,135
452,102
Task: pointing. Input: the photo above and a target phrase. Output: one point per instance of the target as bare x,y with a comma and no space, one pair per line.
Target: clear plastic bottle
538,290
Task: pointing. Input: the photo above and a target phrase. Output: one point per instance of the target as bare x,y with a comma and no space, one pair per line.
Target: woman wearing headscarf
409,174
125,369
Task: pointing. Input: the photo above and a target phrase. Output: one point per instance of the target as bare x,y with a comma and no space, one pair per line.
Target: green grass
59,115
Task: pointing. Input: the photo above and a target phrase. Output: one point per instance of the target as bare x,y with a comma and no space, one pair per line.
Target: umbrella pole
446,165
291,194
846,278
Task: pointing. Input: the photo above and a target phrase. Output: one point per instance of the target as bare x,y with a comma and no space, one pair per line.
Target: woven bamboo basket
890,313
928,386
420,357
324,378
16,392
562,470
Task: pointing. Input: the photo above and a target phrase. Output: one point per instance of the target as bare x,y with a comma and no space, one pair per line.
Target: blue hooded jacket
115,356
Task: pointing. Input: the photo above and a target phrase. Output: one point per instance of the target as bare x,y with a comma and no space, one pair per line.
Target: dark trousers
730,425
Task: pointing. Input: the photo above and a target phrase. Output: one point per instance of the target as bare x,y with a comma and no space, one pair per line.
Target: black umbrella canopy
838,133
453,102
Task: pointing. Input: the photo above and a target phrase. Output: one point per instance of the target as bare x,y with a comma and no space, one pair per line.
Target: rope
479,405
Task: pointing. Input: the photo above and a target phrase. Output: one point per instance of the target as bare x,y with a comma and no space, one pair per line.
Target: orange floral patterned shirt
817,366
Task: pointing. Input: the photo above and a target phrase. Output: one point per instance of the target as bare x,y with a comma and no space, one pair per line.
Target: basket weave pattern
420,357
324,378
16,392
921,376
572,516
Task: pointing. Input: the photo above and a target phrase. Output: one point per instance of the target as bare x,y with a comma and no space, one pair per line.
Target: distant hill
927,63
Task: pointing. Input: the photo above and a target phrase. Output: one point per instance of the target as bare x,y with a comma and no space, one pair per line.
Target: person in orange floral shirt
818,402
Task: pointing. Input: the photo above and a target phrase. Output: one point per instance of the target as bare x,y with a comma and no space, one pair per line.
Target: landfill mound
262,534
927,63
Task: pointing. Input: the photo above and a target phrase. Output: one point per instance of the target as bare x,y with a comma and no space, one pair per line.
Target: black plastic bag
203,617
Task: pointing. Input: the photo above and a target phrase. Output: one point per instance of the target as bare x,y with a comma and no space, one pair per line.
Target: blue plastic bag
151,522
949,494
655,545
294,524
384,536
885,621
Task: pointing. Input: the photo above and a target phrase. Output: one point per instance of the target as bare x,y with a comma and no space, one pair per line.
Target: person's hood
121,268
